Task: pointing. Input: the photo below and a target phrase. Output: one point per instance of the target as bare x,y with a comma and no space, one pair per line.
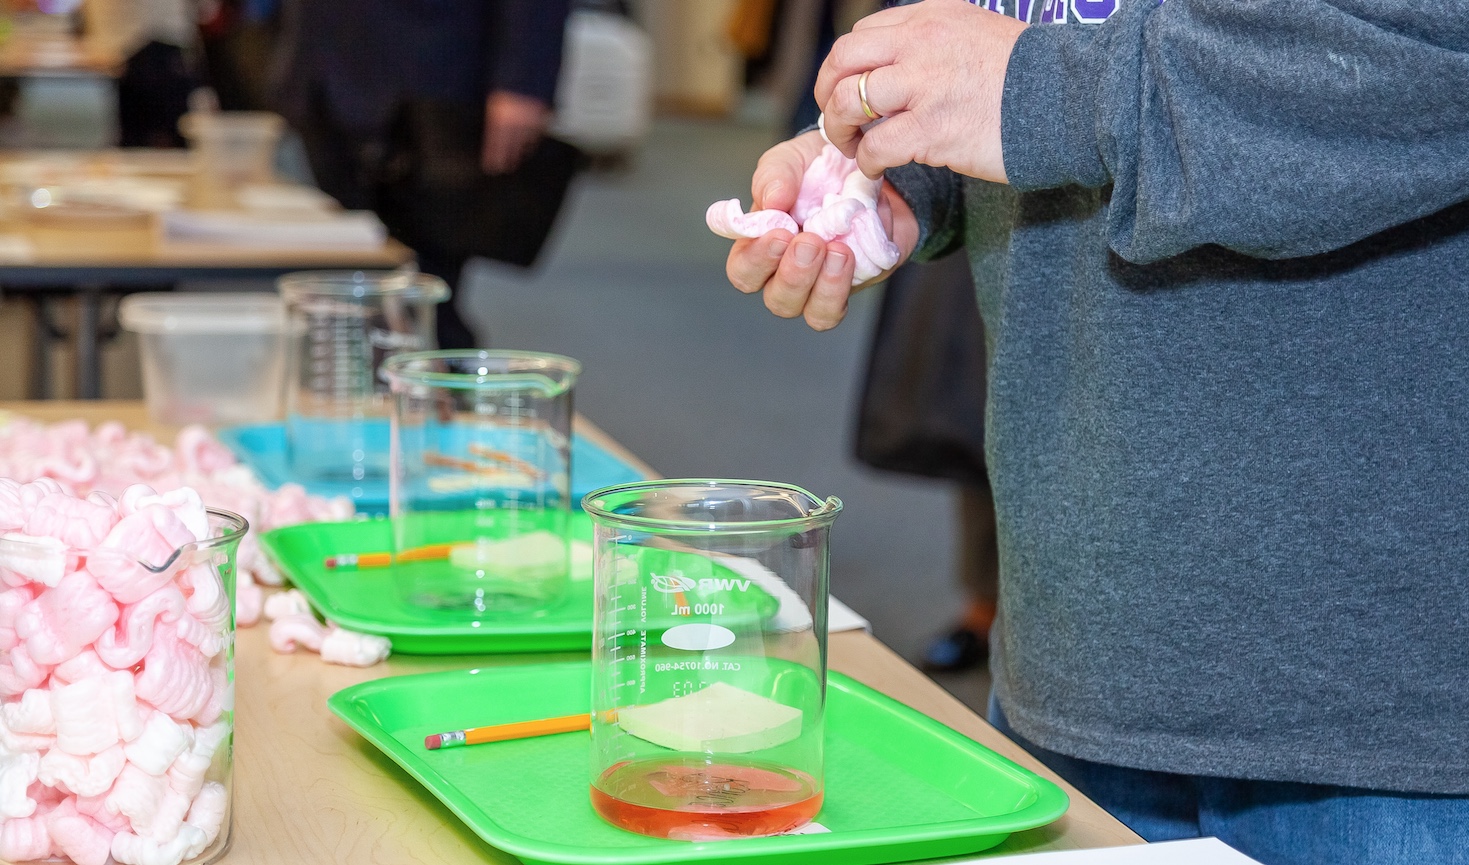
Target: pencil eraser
432,742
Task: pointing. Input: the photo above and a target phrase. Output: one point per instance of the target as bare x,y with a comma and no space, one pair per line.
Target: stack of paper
345,230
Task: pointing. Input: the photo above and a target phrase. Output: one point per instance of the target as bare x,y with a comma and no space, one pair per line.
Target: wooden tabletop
310,790
123,247
43,46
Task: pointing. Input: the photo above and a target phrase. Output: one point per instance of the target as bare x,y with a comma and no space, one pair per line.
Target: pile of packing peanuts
109,459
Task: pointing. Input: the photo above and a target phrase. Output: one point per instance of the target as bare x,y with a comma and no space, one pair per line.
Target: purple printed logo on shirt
1053,11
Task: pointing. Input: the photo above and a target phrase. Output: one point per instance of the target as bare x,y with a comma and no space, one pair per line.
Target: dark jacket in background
365,57
389,99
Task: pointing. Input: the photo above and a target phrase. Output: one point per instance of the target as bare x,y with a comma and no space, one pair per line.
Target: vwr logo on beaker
673,583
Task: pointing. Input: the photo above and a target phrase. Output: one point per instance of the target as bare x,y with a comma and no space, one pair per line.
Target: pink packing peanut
175,677
836,202
296,629
77,836
66,619
78,523
24,839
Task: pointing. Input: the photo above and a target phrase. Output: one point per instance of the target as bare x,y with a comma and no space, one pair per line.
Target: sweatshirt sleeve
936,196
526,37
1275,128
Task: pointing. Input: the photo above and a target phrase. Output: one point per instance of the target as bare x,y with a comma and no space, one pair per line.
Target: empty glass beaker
344,324
480,489
709,656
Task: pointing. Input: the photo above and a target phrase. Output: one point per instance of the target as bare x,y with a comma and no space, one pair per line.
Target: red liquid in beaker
686,799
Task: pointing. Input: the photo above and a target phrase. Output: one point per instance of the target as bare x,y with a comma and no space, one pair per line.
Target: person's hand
802,274
514,124
937,74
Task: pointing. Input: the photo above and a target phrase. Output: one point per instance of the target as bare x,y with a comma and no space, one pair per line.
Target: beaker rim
394,369
826,509
406,284
226,529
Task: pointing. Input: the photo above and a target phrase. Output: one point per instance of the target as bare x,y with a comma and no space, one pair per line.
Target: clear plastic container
480,488
233,148
132,729
709,656
209,357
345,324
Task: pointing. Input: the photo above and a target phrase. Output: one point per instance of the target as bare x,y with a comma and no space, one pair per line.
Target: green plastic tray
370,600
899,785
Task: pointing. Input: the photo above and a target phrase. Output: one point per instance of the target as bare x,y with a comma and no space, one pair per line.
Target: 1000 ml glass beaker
344,325
480,487
709,656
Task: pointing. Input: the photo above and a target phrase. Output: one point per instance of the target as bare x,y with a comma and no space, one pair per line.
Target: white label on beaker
698,637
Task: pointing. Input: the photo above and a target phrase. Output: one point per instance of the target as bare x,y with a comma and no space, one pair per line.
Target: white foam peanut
287,603
32,713
86,721
131,849
162,741
17,772
209,810
84,776
351,649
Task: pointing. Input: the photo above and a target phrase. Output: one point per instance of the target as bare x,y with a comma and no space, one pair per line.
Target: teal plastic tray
263,448
899,785
371,600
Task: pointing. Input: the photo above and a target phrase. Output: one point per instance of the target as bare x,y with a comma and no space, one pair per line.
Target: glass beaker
166,690
344,324
709,656
480,487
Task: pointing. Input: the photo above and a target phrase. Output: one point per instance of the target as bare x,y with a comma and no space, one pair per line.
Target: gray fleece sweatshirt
1227,297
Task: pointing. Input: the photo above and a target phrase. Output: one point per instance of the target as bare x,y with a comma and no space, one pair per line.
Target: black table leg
45,332
89,358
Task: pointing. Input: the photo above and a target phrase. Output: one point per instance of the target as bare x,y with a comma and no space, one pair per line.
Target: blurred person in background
238,38
156,37
433,114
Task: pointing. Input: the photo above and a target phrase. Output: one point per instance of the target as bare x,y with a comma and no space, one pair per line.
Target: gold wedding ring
862,96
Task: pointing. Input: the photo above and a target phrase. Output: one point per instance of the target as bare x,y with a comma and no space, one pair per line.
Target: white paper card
840,617
1195,851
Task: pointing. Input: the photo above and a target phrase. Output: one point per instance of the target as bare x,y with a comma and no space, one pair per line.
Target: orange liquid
686,799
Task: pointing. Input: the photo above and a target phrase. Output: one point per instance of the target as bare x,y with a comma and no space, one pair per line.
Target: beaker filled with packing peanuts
116,675
709,656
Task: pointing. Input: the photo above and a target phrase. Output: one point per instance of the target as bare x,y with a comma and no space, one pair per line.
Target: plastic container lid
202,312
257,124
307,285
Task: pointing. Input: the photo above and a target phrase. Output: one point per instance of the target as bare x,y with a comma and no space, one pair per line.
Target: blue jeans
1278,823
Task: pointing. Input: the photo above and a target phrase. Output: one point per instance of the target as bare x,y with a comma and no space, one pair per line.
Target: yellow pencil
362,561
504,732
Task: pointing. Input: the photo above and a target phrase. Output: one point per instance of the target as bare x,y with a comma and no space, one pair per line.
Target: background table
310,790
88,258
44,46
